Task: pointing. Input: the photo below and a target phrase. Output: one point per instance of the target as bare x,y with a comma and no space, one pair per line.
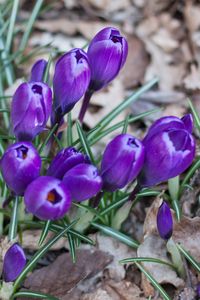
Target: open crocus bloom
170,149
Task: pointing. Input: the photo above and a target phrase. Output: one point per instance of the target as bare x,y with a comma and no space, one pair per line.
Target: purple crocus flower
83,181
47,198
122,161
13,263
164,221
65,160
38,70
20,165
170,149
107,54
71,80
30,110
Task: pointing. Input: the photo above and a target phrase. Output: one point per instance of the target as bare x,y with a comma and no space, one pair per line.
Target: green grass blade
47,69
12,25
195,114
30,24
153,282
14,219
146,259
50,134
30,265
84,142
110,208
126,122
103,133
33,295
189,174
117,235
72,247
44,232
193,262
3,105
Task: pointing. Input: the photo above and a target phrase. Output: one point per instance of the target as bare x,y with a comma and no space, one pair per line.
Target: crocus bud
14,263
83,181
170,149
30,110
38,70
107,54
71,80
47,198
164,221
122,161
20,165
65,160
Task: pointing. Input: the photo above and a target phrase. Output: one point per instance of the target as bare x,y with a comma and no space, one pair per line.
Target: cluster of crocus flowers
166,151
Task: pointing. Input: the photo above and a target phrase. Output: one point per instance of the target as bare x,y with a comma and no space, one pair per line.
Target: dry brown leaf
71,27
163,39
147,287
59,41
118,250
31,238
112,290
137,61
105,100
192,81
187,232
62,275
110,6
161,273
176,110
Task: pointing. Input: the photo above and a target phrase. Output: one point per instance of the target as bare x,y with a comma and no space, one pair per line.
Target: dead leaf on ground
103,103
60,277
187,233
162,273
119,252
31,237
137,61
112,290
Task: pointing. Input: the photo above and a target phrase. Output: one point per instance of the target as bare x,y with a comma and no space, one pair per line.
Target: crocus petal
188,122
20,165
47,198
122,161
64,161
164,221
38,70
168,154
30,110
71,79
83,181
107,54
14,263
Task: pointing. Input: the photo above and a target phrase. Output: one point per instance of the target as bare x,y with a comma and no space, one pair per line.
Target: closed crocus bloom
170,149
107,54
71,80
47,198
164,221
83,181
65,160
122,161
30,110
20,165
38,71
13,263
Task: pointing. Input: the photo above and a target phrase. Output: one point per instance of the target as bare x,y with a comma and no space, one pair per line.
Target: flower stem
176,257
173,186
84,106
13,221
